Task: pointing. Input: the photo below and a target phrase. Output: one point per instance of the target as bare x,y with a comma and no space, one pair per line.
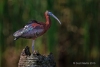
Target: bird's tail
16,38
18,33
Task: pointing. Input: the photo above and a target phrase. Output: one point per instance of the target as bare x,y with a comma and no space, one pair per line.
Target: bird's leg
33,46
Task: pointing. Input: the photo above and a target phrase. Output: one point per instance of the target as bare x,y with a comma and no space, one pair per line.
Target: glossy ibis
34,29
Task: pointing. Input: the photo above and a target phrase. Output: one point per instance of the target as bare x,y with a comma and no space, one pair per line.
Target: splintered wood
35,59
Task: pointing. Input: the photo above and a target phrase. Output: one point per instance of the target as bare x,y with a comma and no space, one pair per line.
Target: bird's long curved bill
55,17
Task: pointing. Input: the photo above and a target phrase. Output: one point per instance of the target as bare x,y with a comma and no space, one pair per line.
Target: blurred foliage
77,39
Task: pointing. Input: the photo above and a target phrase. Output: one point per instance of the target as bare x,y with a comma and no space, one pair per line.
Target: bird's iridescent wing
30,31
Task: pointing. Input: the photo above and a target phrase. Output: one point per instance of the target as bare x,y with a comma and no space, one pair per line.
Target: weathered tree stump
35,59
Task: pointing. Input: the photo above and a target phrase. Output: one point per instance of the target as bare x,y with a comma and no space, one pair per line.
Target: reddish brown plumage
34,29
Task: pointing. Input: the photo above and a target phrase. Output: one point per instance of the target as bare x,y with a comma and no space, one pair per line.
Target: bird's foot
35,52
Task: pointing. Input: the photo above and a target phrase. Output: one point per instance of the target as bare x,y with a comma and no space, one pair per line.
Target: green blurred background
77,39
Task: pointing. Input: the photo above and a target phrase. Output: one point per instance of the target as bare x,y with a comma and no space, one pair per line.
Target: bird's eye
49,13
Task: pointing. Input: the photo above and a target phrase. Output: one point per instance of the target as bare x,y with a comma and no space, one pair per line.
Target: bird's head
51,14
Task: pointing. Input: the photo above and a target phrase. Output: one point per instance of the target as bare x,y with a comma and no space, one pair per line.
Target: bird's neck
48,21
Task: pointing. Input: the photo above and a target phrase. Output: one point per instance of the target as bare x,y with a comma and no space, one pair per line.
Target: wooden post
35,59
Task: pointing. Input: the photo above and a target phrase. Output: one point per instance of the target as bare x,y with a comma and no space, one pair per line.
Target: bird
34,29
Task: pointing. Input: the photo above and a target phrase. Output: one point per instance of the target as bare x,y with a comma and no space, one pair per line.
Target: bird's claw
35,52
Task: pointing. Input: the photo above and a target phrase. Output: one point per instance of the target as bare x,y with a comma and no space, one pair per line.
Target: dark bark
35,59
